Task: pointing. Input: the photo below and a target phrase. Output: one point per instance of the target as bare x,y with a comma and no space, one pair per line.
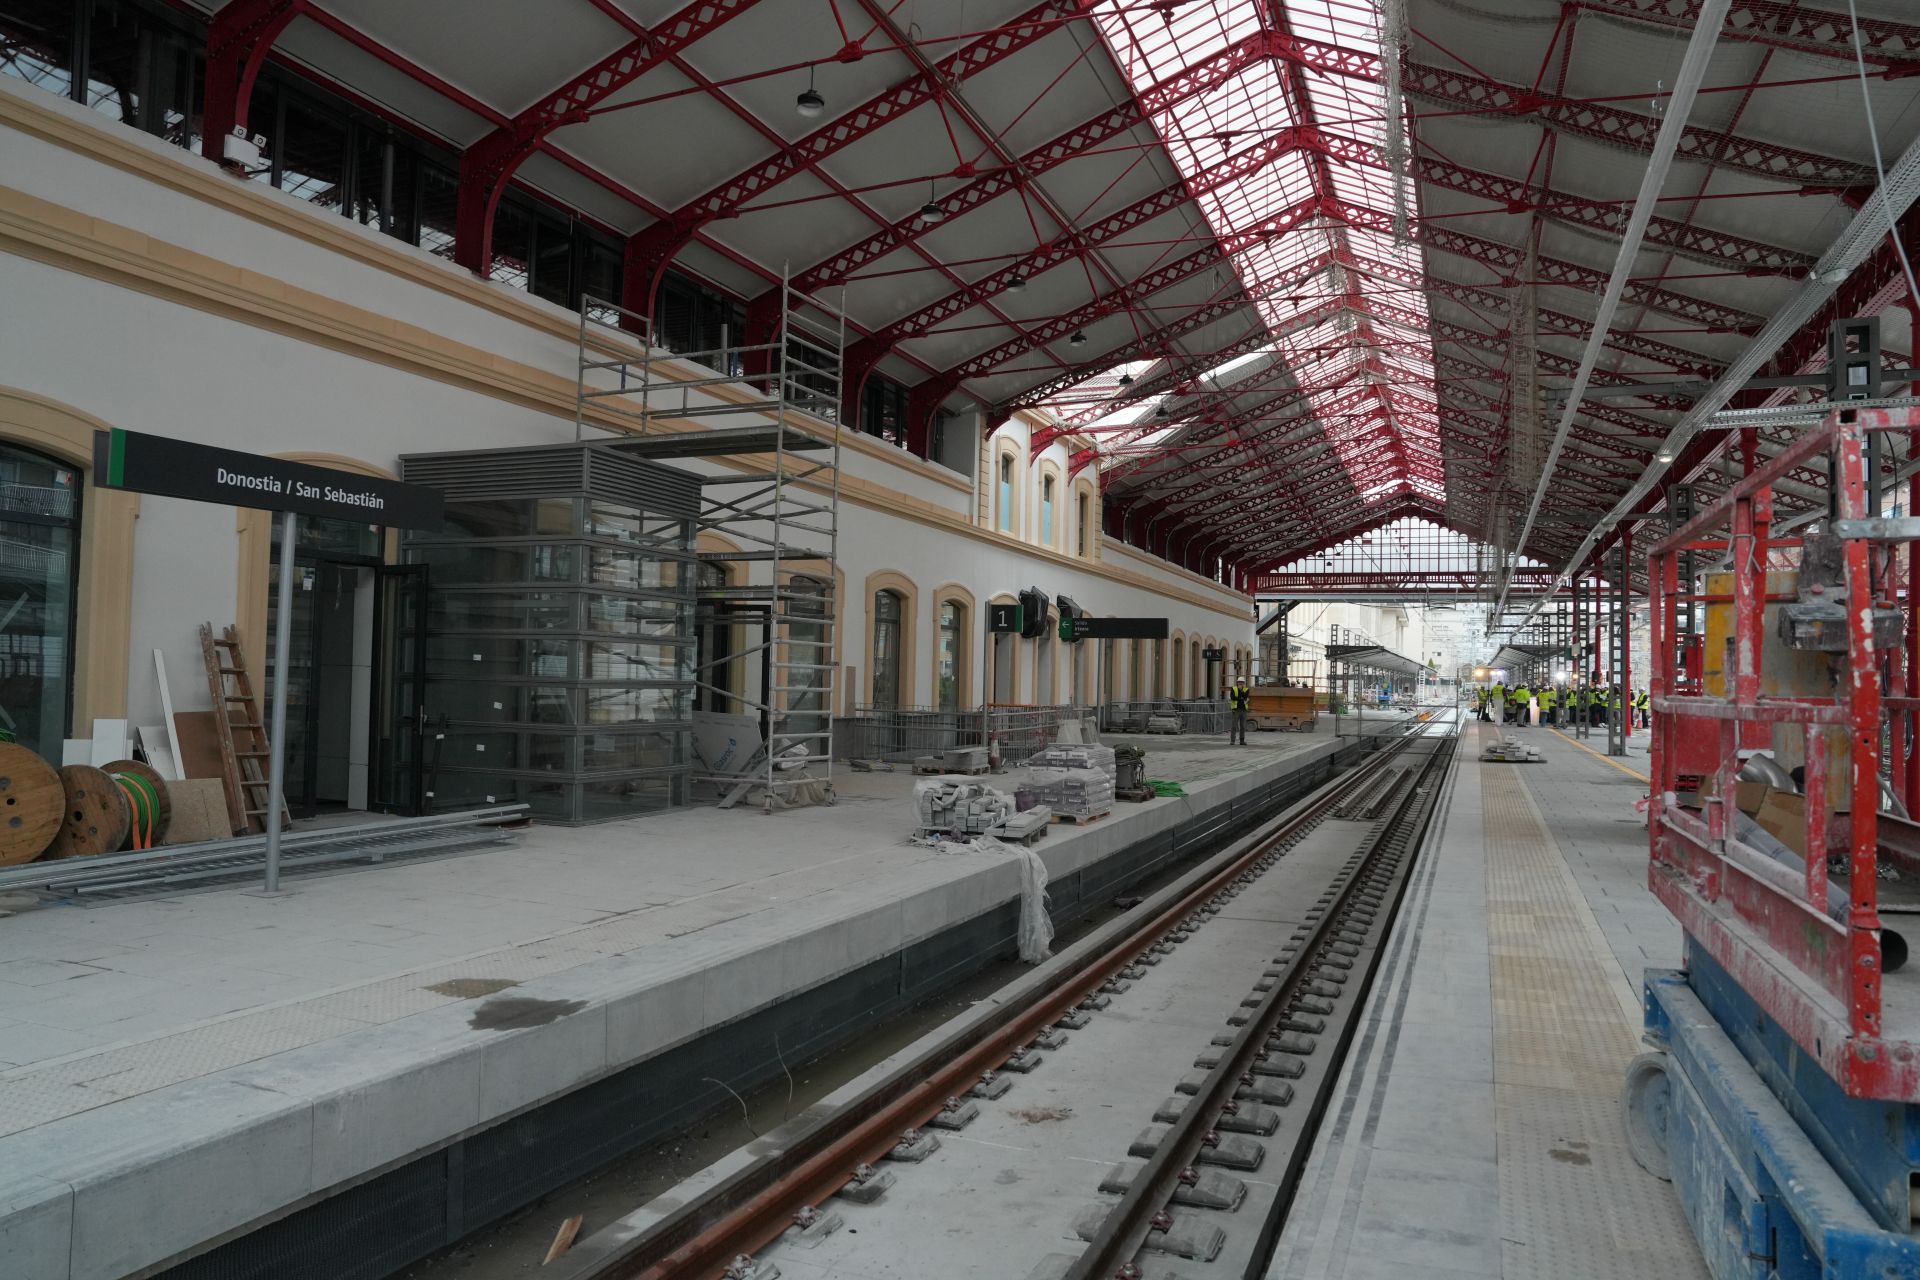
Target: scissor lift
1782,1096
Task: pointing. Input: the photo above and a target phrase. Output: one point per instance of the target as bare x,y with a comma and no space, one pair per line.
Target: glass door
399,690
39,541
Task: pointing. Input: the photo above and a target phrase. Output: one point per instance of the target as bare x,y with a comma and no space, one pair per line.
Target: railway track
1144,1101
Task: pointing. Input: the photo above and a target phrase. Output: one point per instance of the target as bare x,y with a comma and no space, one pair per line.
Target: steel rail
743,1213
1129,1223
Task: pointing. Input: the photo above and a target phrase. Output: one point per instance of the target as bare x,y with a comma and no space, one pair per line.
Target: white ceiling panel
578,191
990,237
671,151
1101,182
882,165
506,53
345,63
892,286
1046,90
757,59
808,223
699,260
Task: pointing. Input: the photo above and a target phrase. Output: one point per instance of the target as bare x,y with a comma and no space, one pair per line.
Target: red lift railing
1812,959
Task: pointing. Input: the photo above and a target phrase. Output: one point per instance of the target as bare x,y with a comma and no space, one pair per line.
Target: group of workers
1596,705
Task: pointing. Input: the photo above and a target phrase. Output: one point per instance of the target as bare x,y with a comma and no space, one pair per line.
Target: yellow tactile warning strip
1572,1201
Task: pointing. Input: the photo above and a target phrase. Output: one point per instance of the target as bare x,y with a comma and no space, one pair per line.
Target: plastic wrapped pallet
1077,793
959,805
1074,755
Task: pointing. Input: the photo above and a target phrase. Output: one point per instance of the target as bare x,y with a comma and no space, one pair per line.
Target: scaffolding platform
780,399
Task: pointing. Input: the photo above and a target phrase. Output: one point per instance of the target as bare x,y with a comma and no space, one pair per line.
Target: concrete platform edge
136,1186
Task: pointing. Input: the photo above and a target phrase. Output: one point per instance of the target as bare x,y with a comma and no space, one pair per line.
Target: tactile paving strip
1572,1201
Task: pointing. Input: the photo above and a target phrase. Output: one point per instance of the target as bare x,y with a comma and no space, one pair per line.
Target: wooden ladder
245,753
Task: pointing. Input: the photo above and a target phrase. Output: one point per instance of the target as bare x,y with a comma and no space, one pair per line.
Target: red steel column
237,45
1626,629
1863,707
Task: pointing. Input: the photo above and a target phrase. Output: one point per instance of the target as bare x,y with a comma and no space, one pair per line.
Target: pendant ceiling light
1016,283
932,211
1079,338
810,104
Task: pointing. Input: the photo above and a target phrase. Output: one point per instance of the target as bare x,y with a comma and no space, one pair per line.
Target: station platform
1476,1130
181,1070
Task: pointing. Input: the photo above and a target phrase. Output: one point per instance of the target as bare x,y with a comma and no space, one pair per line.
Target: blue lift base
1763,1200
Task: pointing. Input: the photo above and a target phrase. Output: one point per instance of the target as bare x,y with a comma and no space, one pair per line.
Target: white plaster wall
140,362
100,190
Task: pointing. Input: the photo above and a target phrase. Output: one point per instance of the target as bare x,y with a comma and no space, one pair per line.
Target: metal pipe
1839,903
1861,237
282,654
1693,69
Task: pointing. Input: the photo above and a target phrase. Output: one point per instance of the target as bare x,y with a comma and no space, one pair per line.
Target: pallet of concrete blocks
959,806
1074,795
1074,755
1511,751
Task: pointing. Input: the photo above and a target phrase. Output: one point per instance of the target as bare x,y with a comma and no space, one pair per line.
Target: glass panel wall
886,648
324,712
952,653
39,546
560,656
36,43
883,410
144,70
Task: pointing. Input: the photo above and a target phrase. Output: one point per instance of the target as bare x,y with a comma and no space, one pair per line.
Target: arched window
952,654
1080,524
40,527
886,648
1006,493
1046,511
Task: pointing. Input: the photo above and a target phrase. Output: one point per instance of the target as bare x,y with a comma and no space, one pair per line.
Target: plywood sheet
199,744
199,811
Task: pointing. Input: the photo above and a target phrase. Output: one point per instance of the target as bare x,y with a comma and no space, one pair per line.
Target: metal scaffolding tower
776,410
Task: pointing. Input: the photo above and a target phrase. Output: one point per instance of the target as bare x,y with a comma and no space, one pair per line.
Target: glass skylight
1336,243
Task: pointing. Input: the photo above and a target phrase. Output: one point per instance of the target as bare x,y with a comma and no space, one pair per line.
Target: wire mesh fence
1021,731
904,734
1165,715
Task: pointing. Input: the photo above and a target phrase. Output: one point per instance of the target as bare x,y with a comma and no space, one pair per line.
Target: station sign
1003,617
142,463
1085,628
1213,655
